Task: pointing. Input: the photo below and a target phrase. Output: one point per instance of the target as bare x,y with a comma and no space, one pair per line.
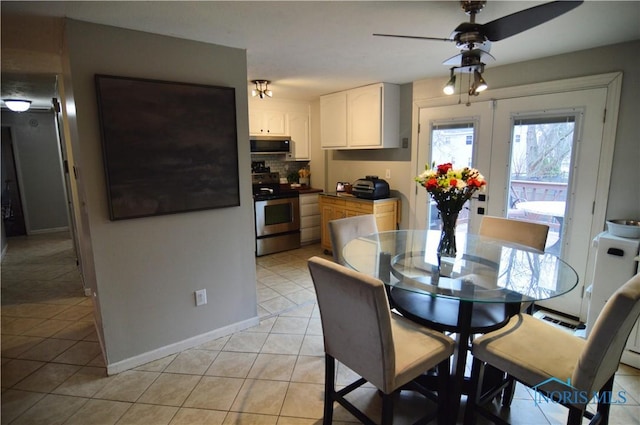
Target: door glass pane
451,142
540,171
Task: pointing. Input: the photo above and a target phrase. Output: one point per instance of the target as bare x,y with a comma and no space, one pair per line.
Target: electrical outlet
201,297
387,174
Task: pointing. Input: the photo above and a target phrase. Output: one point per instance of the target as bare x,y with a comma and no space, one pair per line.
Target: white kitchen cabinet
309,218
279,117
298,123
333,120
267,122
362,118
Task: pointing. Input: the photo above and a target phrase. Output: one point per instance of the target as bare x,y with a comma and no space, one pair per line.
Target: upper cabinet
362,118
298,122
267,122
273,117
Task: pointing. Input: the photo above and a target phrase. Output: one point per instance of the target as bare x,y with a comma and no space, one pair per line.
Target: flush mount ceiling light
17,105
262,89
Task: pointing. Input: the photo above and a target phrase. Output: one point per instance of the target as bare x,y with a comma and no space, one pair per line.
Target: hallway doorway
12,211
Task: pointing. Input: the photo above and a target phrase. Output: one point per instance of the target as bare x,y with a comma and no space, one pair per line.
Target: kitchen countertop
353,197
303,190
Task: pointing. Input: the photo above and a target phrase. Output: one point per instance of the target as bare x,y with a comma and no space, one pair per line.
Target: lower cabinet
386,211
309,218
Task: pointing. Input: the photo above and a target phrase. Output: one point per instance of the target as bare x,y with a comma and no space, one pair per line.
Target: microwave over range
270,144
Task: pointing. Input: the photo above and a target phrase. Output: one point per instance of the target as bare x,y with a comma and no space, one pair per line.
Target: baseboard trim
177,347
51,230
631,358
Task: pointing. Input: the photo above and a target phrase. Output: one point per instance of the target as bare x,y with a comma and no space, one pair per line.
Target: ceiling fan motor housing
472,7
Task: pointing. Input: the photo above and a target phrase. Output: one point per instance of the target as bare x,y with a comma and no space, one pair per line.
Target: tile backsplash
277,164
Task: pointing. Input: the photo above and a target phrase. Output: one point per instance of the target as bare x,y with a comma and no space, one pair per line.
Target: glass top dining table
484,270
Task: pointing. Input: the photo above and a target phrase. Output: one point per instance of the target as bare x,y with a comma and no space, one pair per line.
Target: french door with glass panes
552,177
540,155
452,134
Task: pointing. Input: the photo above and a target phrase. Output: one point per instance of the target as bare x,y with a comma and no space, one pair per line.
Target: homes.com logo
573,395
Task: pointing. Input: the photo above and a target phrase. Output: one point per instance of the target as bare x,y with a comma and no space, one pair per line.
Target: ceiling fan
474,39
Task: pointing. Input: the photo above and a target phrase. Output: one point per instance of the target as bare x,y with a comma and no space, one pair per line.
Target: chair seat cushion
418,349
532,351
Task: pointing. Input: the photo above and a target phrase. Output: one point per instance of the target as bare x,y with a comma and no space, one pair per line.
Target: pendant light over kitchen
262,89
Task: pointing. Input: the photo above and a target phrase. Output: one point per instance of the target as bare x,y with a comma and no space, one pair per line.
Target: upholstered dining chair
343,230
551,361
384,348
533,235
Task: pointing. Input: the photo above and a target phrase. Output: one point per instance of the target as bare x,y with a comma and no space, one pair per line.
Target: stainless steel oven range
277,214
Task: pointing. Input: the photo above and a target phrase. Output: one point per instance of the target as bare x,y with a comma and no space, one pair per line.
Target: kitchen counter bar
336,205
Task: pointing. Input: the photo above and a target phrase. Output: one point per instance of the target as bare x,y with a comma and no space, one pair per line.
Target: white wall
147,269
37,156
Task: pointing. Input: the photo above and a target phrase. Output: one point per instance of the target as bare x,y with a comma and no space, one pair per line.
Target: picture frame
168,147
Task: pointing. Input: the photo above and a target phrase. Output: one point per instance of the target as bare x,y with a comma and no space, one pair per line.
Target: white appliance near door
616,262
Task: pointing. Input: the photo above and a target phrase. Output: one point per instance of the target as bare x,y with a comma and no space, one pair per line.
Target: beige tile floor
53,372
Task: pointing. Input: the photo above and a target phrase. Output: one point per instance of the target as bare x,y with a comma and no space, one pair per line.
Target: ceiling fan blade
518,22
414,37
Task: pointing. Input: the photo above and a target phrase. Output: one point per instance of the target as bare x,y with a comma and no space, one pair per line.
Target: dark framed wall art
168,147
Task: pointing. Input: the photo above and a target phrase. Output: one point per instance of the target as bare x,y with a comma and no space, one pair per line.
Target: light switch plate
201,297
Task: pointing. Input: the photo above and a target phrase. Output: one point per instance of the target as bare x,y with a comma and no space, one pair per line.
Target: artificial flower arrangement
450,187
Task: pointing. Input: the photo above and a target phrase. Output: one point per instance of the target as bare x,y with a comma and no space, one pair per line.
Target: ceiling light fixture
262,89
450,88
478,82
17,105
471,64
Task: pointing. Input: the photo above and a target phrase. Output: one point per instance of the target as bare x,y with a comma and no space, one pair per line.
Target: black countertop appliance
370,187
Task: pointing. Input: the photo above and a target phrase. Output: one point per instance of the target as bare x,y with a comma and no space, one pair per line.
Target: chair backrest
343,230
606,342
356,320
533,235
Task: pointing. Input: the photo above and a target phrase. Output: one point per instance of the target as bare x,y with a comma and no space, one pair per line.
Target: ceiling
309,48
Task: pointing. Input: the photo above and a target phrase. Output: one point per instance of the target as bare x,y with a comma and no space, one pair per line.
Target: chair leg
509,391
387,409
329,388
575,416
444,379
603,408
474,392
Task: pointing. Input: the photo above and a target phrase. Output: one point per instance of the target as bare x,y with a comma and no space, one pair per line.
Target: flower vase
447,245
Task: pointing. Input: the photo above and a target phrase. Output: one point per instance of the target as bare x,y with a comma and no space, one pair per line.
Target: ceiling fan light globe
450,87
479,84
